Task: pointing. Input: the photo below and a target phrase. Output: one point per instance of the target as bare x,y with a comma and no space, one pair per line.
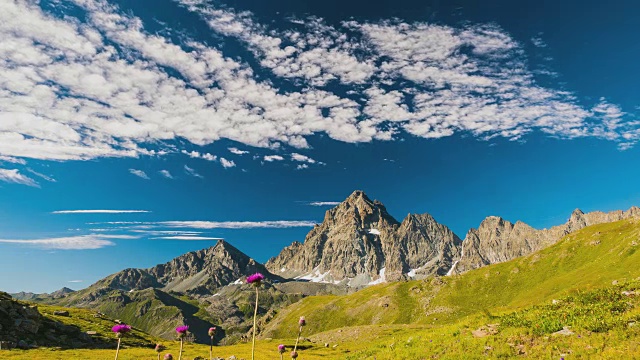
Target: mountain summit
197,272
359,243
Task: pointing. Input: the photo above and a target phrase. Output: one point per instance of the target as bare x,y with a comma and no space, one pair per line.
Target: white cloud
237,151
227,163
271,158
196,238
198,155
84,242
139,173
324,203
12,160
40,175
167,232
76,281
14,176
302,158
109,88
302,167
236,224
99,211
192,172
166,174
538,42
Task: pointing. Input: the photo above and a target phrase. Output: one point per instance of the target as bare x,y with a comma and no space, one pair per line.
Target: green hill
592,257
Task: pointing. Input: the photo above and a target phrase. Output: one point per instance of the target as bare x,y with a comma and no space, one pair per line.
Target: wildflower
212,331
159,348
294,354
255,279
281,350
120,330
168,357
182,332
302,322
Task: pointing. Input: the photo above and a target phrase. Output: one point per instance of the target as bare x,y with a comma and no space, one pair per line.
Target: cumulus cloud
237,151
227,163
84,242
272,158
77,88
302,167
302,158
99,211
139,173
14,176
198,155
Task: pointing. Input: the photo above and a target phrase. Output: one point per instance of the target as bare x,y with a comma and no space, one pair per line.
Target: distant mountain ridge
197,273
359,243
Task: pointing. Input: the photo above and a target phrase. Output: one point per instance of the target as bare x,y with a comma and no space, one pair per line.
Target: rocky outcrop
22,325
359,243
497,240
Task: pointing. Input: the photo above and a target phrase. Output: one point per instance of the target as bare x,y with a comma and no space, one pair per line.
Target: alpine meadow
357,180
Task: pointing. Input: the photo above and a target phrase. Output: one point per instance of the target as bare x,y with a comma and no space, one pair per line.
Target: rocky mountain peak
359,242
360,211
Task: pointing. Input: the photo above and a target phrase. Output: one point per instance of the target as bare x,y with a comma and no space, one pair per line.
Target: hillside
592,257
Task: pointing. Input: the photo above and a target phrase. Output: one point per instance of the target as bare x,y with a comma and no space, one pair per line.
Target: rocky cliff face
22,325
198,272
359,242
497,240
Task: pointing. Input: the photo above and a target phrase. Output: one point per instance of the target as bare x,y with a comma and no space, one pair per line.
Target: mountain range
358,244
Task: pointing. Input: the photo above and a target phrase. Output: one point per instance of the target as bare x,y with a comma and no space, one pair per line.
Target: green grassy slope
592,257
602,324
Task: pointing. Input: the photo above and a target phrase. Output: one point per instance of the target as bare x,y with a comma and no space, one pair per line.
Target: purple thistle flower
182,329
168,357
121,329
294,354
160,348
255,279
281,348
212,331
302,321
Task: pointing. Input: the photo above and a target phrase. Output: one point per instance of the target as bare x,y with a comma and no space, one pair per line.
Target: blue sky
195,120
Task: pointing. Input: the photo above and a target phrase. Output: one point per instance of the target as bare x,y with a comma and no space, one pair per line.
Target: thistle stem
211,350
281,356
118,348
297,339
158,356
255,315
180,355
